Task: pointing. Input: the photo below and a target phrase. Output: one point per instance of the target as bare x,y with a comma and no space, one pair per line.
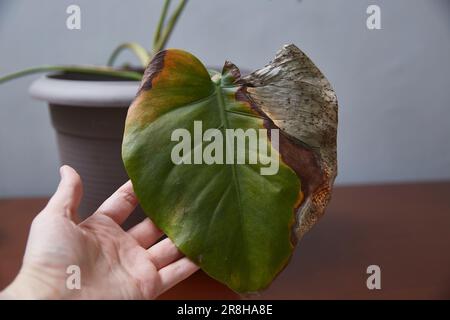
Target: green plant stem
169,28
162,19
130,75
136,48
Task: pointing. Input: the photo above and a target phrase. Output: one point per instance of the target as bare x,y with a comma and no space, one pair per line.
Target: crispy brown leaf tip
300,101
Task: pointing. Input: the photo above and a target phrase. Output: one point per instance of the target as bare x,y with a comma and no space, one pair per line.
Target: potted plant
233,169
88,106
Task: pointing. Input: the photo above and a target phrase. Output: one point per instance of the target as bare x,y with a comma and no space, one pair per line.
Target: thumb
67,197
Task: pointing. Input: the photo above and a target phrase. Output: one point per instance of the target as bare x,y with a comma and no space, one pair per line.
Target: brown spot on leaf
152,70
230,73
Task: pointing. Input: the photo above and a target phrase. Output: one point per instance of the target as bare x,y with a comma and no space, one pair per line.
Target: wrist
31,284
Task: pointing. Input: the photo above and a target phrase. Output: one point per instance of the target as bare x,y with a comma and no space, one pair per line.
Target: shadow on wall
443,8
4,6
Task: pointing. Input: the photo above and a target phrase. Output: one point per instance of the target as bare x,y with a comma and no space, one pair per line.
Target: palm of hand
113,263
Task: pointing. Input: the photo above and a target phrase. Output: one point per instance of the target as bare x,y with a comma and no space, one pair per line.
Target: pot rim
84,93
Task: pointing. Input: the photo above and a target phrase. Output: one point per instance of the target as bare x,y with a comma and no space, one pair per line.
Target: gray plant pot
88,114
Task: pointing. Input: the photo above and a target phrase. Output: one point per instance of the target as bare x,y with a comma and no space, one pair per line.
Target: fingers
163,253
120,205
176,272
67,197
145,233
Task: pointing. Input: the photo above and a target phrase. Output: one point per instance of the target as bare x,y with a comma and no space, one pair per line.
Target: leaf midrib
226,125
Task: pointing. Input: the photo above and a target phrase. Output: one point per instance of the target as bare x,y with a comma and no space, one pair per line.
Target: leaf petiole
140,52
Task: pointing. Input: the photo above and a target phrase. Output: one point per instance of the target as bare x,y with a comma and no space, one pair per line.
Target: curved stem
130,75
162,19
136,48
169,28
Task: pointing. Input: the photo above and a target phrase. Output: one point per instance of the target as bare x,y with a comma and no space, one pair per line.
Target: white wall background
392,84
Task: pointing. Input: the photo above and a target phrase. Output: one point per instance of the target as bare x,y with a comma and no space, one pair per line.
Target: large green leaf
237,224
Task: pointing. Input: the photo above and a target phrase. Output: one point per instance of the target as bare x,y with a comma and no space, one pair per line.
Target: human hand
114,264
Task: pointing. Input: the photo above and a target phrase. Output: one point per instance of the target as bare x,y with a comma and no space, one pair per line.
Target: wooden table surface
405,229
